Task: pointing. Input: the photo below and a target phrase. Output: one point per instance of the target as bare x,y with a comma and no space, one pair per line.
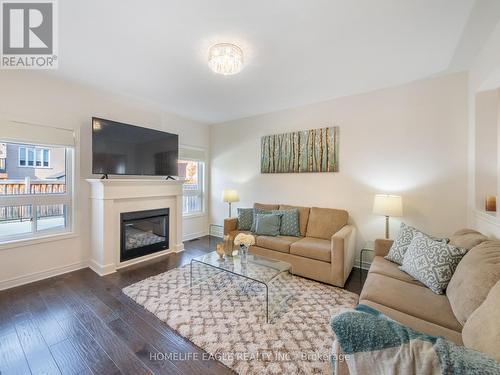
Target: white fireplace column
111,197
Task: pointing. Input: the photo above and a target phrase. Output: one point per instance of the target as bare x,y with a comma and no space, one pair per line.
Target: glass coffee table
255,269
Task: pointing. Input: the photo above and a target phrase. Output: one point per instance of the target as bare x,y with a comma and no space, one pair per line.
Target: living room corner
250,187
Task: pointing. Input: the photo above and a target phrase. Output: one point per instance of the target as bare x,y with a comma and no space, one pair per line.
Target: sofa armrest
343,253
230,224
381,247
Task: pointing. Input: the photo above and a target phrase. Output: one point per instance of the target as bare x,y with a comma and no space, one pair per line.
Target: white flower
244,239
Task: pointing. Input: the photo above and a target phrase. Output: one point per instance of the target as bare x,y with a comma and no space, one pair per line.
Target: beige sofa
463,315
325,251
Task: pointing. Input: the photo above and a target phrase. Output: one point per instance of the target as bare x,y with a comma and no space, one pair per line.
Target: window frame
26,148
34,200
203,192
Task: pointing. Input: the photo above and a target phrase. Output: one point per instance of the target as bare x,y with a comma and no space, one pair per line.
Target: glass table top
256,267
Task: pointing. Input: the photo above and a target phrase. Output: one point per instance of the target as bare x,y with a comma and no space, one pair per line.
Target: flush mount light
225,58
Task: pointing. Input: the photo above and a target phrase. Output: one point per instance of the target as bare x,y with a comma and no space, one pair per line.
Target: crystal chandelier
225,58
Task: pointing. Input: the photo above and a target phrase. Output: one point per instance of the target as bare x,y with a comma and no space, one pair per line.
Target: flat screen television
123,149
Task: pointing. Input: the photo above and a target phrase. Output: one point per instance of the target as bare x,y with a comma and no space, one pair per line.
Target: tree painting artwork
315,150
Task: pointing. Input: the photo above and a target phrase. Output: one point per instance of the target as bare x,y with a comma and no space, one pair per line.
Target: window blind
190,153
22,132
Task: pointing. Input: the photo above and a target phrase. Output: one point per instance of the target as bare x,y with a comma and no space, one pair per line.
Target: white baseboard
37,276
102,270
192,236
179,247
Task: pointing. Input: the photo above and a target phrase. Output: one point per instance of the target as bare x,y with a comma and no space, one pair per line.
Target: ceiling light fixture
225,58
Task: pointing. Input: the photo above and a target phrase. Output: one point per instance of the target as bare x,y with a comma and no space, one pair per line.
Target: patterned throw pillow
245,218
402,241
289,222
268,224
431,262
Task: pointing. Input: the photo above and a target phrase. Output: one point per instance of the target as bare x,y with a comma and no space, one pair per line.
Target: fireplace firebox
143,233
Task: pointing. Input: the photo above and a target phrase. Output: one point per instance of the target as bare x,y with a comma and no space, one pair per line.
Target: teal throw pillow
245,218
268,224
257,211
289,222
290,225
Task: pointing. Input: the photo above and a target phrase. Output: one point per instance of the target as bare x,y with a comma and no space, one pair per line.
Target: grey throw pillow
257,211
400,245
245,218
267,224
290,225
431,262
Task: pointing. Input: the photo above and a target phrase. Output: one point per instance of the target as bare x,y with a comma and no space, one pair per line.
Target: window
22,156
46,157
34,157
31,156
36,201
193,189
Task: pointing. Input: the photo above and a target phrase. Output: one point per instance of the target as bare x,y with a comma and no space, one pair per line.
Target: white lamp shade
230,196
388,205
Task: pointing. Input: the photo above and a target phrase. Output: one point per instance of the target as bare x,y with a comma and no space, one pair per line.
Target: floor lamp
230,196
388,205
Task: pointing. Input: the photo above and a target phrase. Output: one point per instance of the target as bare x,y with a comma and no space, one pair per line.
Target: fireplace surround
113,197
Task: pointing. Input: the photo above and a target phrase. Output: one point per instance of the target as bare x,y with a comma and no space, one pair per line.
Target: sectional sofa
466,315
325,250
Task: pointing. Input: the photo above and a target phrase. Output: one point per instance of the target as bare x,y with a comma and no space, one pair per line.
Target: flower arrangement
246,240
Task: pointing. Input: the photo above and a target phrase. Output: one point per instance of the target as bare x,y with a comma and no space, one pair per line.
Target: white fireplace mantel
111,197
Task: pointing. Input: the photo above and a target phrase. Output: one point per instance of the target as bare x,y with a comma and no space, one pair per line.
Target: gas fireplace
143,233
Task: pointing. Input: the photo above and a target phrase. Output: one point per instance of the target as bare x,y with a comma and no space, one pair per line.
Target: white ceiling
297,51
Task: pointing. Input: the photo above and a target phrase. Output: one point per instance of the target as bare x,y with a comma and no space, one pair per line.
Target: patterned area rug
225,316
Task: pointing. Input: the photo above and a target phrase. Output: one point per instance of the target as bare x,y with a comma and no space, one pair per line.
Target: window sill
37,240
194,215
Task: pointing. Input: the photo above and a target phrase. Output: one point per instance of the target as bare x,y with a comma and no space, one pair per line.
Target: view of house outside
192,198
31,170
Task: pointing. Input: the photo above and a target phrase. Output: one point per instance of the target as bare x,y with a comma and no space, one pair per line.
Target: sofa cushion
325,222
475,275
416,323
267,207
303,216
385,267
313,248
467,238
411,299
432,262
280,243
482,330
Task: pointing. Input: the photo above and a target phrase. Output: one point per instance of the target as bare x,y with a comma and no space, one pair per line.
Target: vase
228,246
243,253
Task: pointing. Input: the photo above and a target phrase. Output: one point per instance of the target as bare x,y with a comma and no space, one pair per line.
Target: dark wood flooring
80,323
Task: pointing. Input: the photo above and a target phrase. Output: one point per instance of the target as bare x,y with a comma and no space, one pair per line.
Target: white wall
409,140
38,97
486,146
484,75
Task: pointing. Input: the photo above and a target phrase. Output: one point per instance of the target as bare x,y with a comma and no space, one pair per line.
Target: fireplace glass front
143,233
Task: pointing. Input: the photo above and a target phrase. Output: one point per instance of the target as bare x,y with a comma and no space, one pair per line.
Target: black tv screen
123,149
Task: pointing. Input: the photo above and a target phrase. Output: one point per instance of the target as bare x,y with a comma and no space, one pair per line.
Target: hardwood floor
80,323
